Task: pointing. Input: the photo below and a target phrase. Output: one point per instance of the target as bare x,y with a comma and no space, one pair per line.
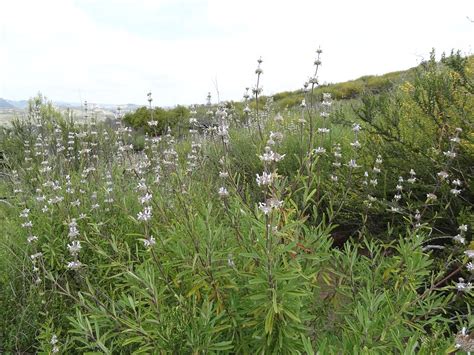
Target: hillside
5,104
352,89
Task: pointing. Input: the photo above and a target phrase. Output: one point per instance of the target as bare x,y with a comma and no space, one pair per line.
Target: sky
116,51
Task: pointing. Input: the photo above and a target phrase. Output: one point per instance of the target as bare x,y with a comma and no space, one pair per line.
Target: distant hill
4,104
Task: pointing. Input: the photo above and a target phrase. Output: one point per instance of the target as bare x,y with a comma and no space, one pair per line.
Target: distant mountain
4,104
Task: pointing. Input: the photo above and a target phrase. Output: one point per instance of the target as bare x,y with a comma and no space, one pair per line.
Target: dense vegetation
331,227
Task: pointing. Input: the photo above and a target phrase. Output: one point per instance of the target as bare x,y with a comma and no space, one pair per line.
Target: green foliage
327,269
175,118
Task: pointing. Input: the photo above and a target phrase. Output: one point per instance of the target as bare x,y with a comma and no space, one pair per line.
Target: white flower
353,164
276,136
145,215
356,144
463,228
334,178
457,182
74,265
223,192
463,286
32,238
431,197
469,253
150,242
443,175
223,174
264,208
230,261
323,130
460,239
25,213
274,203
74,248
266,179
455,192
356,127
319,150
145,198
36,256
450,154
27,224
470,266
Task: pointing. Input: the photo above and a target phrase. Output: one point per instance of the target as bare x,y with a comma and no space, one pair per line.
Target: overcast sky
115,51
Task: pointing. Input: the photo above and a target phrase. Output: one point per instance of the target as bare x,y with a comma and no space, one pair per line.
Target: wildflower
36,256
278,117
277,136
460,239
274,203
27,224
352,164
356,144
431,197
265,179
463,286
32,238
319,150
75,247
334,178
455,192
230,261
150,242
470,266
450,154
456,182
463,228
264,208
145,215
356,127
25,213
323,130
146,198
464,341
443,175
223,192
469,253
74,265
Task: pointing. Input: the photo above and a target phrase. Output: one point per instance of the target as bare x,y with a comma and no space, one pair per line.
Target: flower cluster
75,246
